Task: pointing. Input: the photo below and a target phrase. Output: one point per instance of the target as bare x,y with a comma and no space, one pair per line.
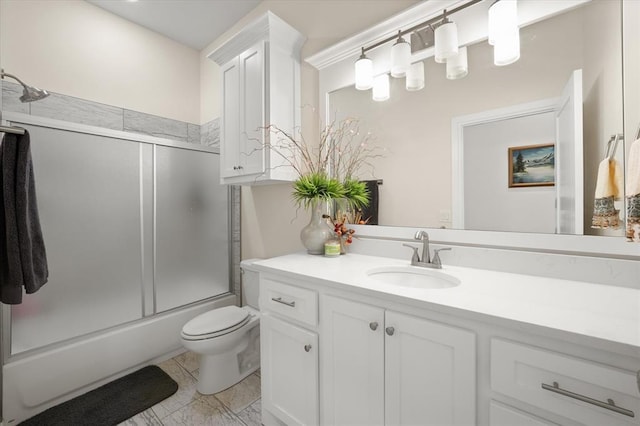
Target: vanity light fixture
400,57
381,88
364,72
503,32
415,77
457,66
446,36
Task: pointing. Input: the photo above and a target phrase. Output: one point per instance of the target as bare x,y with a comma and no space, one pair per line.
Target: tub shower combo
138,236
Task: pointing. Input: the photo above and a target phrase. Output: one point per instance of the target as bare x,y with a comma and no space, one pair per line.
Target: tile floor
236,406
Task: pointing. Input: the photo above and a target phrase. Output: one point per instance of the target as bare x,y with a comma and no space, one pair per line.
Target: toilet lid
217,320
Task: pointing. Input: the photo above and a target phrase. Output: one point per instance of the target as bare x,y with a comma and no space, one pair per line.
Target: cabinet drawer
502,415
578,389
288,301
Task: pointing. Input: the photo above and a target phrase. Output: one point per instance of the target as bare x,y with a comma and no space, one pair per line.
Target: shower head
29,93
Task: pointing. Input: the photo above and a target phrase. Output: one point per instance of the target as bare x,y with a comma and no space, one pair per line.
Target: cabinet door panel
430,373
252,105
289,371
230,126
353,363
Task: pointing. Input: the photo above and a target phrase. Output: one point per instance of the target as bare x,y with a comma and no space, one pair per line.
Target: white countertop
598,311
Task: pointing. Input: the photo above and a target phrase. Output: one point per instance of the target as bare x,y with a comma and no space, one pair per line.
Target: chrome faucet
425,260
424,237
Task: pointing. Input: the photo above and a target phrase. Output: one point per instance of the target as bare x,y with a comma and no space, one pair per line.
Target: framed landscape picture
532,165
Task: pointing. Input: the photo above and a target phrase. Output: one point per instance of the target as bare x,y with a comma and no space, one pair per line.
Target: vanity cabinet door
289,371
352,362
429,372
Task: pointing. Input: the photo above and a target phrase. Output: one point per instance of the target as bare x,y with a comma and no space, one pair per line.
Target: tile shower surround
76,110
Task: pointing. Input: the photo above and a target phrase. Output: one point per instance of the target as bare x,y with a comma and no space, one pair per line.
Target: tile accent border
76,110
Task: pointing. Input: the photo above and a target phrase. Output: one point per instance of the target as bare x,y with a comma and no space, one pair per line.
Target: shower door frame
233,220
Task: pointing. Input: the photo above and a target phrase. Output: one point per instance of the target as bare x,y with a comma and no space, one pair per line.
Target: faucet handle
436,256
415,258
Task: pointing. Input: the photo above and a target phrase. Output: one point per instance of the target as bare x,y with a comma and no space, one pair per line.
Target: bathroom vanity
345,341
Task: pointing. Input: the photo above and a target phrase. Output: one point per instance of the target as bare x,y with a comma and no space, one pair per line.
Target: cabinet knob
373,325
390,330
235,167
307,348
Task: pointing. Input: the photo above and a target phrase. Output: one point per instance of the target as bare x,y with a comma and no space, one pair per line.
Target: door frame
458,125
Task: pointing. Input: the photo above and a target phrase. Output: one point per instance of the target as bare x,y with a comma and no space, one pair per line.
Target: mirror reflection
452,147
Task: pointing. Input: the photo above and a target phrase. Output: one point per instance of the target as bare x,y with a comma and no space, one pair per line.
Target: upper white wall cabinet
260,77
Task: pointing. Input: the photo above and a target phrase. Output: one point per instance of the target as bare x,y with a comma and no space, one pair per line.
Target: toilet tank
250,283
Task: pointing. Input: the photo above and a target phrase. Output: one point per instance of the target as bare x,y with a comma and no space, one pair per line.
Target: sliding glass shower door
131,228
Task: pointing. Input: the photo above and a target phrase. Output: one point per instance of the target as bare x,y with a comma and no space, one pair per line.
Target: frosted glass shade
506,49
446,41
457,66
381,88
415,77
502,19
400,58
364,73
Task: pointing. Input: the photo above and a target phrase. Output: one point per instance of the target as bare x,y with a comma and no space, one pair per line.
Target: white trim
17,118
458,125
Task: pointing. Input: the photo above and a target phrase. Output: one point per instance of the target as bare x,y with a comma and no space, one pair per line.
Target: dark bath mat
112,403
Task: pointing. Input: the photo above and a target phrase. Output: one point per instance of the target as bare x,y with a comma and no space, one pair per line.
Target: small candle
332,248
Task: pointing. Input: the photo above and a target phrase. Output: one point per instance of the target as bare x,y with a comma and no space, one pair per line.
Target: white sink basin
413,277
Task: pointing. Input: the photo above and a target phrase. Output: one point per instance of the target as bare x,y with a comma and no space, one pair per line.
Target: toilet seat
215,323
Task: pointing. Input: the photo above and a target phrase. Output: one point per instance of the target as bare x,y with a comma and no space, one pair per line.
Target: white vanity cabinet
385,355
384,367
260,75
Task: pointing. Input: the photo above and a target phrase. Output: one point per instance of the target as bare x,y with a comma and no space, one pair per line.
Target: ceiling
194,23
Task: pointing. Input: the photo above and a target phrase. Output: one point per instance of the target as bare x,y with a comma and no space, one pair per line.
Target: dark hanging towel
370,212
23,259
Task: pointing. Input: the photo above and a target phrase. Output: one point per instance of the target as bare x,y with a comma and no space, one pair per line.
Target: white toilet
227,339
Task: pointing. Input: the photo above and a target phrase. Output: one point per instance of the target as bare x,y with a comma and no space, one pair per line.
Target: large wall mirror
450,147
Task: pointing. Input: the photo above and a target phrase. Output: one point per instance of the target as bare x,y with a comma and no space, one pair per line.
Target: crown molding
352,45
266,27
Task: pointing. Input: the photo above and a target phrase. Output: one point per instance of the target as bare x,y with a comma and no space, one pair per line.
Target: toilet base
221,371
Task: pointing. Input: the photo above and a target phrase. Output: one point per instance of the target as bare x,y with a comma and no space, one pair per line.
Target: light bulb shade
503,19
400,58
446,41
364,73
415,77
381,88
506,49
457,66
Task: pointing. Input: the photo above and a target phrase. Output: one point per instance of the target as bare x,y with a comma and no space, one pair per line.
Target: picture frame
531,165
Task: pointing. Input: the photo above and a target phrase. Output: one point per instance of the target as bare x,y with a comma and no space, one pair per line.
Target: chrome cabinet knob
307,348
390,330
373,326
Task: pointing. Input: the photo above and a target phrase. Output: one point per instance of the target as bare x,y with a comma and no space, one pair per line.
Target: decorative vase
314,235
343,246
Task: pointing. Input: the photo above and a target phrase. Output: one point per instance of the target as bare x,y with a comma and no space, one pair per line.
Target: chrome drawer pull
279,300
609,405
